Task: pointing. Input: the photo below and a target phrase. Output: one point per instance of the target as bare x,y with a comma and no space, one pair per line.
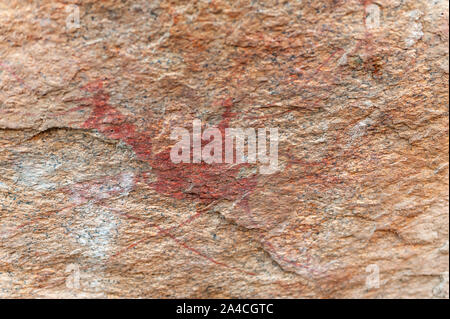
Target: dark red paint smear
201,182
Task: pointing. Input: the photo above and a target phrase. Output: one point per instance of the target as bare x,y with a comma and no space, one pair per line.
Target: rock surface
92,207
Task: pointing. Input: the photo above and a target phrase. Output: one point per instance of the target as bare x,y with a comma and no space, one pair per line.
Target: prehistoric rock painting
92,205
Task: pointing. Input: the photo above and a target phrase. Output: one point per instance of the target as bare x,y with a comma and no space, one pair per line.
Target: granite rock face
91,206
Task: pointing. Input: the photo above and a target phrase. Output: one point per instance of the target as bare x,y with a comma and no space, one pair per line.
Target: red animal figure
200,182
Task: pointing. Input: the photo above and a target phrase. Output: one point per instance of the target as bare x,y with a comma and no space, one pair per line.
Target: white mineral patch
415,28
94,228
36,173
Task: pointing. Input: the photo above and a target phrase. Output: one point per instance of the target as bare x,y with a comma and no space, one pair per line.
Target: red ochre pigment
202,182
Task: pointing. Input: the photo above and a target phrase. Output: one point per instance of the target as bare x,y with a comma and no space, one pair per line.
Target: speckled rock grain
357,89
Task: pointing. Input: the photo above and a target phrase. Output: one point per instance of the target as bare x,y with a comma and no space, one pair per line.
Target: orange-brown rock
91,205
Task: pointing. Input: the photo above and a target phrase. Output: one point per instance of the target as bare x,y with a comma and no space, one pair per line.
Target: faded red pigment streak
13,74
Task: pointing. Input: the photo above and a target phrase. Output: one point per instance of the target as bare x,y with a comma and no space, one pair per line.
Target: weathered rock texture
357,89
